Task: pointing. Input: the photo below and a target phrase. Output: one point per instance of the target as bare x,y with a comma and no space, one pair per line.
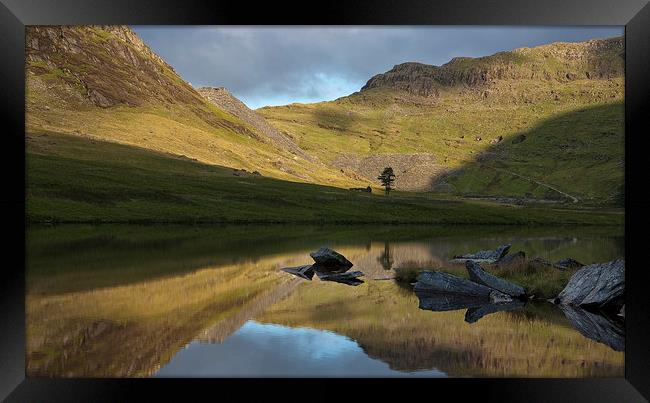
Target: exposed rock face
439,282
596,327
222,98
327,258
596,285
306,271
480,276
487,256
572,61
413,172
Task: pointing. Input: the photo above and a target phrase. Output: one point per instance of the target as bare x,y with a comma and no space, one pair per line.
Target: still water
211,301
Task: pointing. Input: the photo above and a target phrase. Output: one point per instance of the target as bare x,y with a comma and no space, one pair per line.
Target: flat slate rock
439,302
485,256
329,258
480,276
439,282
306,271
596,327
349,278
597,285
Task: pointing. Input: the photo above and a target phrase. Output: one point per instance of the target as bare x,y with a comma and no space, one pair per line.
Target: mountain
105,83
542,123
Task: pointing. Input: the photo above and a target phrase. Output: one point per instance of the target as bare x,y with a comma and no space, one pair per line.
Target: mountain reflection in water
132,301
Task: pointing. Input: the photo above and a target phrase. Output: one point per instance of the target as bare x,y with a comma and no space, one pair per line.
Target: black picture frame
16,14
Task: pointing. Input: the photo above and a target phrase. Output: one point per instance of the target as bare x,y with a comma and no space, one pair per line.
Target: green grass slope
103,82
76,179
566,98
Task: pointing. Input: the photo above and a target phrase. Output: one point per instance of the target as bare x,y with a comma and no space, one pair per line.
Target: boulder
596,327
328,258
597,285
438,282
306,271
480,276
567,263
487,256
349,278
511,260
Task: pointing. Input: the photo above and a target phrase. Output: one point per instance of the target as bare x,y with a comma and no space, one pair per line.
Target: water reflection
115,301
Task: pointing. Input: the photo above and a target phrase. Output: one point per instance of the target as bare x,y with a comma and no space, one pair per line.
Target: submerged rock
306,271
327,258
439,282
349,278
596,327
480,276
599,285
487,256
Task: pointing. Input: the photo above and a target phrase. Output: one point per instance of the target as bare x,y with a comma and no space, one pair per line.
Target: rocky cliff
561,62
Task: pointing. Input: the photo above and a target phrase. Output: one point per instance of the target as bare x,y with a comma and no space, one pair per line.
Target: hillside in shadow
573,156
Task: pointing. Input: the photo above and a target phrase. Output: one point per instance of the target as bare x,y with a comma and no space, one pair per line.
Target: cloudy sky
280,65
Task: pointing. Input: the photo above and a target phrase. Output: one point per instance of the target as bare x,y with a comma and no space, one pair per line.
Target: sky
264,66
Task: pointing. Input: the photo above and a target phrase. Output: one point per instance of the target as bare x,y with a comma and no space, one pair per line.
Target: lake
212,301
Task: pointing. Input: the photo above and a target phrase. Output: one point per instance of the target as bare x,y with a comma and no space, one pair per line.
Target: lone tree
387,177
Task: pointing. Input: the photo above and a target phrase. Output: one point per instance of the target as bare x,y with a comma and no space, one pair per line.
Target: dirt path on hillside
573,198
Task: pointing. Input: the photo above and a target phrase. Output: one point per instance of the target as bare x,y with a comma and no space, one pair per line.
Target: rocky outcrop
567,264
558,62
480,276
597,285
223,99
484,256
329,259
349,278
512,260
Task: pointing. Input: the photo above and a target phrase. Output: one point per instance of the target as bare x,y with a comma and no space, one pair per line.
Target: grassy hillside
103,82
71,178
566,99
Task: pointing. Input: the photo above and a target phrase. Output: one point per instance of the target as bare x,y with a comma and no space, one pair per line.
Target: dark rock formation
598,285
438,282
474,314
306,271
487,256
327,258
349,278
480,276
511,260
596,327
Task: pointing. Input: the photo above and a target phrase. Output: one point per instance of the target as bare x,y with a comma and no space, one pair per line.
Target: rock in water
438,282
437,302
480,276
567,264
597,285
596,327
488,256
328,258
306,271
350,278
474,314
510,260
